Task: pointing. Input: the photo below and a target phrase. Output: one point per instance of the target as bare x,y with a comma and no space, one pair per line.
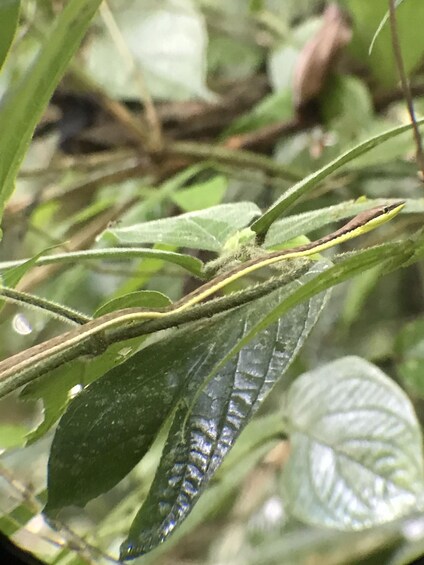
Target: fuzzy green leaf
204,229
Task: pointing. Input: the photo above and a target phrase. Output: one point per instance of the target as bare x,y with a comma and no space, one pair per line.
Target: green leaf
356,459
347,107
9,17
204,195
273,108
410,350
300,224
23,105
110,425
381,25
367,17
254,443
205,229
53,391
138,299
389,256
232,59
12,435
262,224
167,41
11,276
293,226
211,414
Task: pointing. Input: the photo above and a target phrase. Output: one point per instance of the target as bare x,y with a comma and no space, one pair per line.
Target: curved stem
66,314
191,264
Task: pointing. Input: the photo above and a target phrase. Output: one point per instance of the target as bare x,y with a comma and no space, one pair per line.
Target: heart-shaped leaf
356,456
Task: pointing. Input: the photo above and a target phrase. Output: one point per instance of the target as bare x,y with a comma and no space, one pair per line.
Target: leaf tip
130,550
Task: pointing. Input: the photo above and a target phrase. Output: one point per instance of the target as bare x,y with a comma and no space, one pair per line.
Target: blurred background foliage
151,119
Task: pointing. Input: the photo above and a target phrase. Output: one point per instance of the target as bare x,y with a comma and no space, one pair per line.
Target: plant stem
10,381
66,314
397,51
223,154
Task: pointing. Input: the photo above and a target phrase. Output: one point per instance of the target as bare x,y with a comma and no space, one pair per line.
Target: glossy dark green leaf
55,389
388,256
109,426
211,414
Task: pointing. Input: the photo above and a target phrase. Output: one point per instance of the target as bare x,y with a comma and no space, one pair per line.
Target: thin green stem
397,51
64,313
191,264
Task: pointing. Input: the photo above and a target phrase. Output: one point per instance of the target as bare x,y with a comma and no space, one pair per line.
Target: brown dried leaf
318,56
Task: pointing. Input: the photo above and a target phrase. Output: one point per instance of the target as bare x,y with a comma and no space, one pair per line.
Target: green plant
175,388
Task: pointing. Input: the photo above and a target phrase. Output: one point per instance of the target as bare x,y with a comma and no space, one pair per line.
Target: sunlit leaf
12,435
356,459
168,43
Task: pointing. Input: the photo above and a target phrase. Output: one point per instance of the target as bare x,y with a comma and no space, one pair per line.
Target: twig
397,51
85,551
155,139
118,110
59,311
224,154
266,136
